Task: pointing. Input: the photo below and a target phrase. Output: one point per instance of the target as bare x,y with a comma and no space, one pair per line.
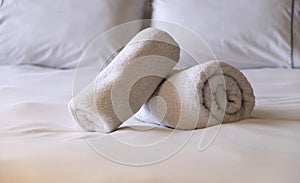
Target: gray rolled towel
201,96
126,83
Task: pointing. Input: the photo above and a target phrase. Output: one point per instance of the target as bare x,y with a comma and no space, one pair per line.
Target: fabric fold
201,96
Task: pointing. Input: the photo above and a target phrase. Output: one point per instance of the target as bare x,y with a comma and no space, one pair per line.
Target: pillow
296,34
246,33
54,33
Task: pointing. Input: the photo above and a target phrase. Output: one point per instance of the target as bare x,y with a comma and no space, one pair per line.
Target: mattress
39,141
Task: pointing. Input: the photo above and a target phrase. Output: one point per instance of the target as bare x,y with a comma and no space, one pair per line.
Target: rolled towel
201,96
126,83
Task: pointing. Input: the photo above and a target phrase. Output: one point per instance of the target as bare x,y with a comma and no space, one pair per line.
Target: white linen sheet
39,142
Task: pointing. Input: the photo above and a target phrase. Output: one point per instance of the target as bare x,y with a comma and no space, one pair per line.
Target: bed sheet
39,142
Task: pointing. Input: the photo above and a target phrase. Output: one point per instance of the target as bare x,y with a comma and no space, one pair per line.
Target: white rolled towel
126,83
201,96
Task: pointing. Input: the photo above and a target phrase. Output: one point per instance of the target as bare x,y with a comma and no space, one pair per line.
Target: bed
41,143
39,52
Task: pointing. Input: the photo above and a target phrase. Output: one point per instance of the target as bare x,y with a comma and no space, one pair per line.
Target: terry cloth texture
127,82
201,96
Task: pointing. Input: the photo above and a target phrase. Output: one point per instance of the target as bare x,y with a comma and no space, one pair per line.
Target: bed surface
39,142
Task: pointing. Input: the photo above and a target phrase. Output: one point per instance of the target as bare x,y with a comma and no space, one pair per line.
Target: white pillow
246,33
296,34
54,33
